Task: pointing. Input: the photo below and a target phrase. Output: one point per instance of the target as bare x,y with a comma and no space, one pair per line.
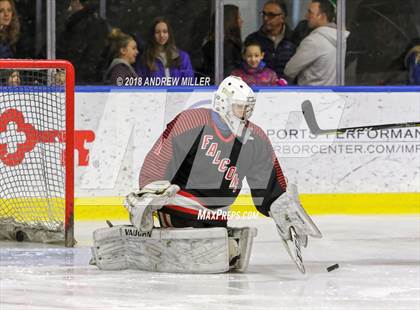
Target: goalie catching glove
287,211
294,225
152,197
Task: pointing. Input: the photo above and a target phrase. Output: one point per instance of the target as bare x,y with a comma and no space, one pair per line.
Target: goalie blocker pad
177,250
152,197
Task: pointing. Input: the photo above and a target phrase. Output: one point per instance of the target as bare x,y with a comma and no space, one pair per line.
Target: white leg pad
179,250
244,236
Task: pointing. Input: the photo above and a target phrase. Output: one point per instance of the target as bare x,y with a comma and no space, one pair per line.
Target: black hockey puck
332,267
20,236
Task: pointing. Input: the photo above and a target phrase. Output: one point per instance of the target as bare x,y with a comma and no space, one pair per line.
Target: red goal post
37,150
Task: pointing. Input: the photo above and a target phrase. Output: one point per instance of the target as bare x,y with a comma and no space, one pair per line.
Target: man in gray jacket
315,60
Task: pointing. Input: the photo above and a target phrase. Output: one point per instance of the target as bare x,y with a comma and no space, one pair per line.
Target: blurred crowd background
382,44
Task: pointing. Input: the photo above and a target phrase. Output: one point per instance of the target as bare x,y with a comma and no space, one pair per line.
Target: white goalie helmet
234,101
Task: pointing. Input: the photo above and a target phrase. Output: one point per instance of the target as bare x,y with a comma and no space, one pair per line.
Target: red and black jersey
209,165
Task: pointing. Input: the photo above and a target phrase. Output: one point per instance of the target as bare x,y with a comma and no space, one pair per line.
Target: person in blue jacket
9,28
161,57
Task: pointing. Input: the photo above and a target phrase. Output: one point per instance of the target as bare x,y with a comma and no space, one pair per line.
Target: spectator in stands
9,28
315,60
275,36
232,44
59,78
253,69
10,78
123,49
302,30
14,79
82,40
161,57
412,63
107,55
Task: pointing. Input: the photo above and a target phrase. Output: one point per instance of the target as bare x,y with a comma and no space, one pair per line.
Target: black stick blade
309,115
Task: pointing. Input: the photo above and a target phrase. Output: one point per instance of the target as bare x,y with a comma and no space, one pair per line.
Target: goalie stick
293,249
309,114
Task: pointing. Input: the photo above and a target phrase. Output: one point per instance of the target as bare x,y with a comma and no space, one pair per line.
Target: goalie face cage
36,150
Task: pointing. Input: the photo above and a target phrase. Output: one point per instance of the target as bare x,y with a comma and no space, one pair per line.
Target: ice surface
379,259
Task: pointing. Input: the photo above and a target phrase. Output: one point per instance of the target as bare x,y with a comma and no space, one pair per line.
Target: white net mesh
32,145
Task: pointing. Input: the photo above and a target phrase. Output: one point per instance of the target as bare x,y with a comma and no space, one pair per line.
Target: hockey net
36,150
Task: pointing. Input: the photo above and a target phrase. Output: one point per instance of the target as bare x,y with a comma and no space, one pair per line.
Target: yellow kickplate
315,204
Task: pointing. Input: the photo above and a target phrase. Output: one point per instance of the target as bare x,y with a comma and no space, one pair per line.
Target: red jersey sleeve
265,179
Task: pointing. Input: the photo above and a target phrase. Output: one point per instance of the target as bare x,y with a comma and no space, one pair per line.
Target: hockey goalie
197,165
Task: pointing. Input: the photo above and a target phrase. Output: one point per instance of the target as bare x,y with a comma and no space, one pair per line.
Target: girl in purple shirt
253,69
